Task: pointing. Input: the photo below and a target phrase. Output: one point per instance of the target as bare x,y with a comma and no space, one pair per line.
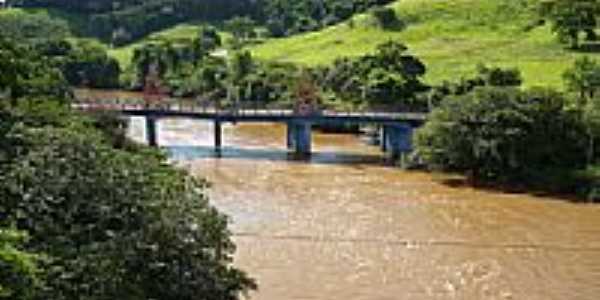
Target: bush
386,17
503,134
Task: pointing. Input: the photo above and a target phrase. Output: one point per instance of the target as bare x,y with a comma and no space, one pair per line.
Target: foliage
82,63
486,76
18,269
390,77
583,77
386,17
287,17
121,22
570,18
241,27
142,229
32,27
25,73
502,134
112,220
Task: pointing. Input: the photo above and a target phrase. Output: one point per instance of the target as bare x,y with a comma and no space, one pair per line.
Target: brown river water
346,226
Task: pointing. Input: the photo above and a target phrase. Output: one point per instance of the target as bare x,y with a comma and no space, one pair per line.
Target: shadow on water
185,153
551,191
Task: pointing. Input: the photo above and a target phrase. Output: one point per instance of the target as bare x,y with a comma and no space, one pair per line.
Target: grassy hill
451,36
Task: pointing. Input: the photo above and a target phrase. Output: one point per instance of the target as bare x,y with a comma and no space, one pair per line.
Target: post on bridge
151,131
397,139
299,137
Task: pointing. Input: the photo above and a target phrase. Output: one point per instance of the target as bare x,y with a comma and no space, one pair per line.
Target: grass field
451,36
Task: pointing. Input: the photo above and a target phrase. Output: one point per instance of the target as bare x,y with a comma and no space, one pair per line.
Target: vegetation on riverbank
86,213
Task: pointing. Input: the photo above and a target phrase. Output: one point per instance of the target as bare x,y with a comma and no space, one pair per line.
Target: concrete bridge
395,129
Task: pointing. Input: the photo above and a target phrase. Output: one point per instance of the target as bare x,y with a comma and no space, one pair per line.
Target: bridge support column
398,139
299,137
383,143
290,136
151,131
218,135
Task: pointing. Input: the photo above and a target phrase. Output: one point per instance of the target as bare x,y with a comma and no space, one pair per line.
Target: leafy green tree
241,27
208,40
386,18
495,76
114,223
501,134
112,219
25,73
19,273
390,76
583,77
570,18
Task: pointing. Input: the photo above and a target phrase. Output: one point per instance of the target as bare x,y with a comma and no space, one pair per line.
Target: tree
114,223
503,134
583,77
113,220
386,18
570,18
25,73
241,27
495,76
390,76
208,40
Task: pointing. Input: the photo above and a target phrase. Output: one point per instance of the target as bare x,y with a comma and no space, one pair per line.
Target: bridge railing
213,107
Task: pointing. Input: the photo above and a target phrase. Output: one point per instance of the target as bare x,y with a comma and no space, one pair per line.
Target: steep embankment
451,36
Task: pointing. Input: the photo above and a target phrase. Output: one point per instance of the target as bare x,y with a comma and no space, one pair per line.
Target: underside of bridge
395,138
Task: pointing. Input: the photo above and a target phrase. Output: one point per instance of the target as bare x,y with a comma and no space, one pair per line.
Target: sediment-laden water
346,226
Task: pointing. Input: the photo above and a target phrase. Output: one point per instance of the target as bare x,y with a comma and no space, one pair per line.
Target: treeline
121,22
82,62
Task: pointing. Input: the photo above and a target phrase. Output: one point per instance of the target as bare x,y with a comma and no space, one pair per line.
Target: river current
346,226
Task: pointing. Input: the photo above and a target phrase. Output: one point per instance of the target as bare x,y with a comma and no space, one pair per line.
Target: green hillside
451,36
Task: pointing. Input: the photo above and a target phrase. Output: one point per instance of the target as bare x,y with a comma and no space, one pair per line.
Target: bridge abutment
397,139
299,137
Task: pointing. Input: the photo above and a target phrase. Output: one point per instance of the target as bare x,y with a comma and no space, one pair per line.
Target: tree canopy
112,219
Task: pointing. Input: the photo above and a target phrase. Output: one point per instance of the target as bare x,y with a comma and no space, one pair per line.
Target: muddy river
345,226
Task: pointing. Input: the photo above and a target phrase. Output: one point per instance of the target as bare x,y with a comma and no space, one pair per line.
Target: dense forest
121,22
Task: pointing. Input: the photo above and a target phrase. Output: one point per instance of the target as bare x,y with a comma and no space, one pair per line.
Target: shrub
386,17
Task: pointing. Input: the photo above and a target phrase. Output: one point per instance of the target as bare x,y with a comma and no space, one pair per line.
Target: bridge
395,129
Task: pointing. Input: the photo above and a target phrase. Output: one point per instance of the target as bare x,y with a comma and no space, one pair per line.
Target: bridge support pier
151,131
397,139
299,137
383,139
218,135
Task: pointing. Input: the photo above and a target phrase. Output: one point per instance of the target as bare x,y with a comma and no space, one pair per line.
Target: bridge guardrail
252,109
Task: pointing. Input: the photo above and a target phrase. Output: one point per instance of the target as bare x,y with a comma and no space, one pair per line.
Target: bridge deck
252,115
